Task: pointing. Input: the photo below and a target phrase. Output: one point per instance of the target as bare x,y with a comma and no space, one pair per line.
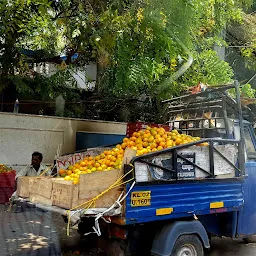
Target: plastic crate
134,127
5,194
7,179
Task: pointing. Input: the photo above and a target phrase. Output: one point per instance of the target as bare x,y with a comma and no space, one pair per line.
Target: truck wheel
188,245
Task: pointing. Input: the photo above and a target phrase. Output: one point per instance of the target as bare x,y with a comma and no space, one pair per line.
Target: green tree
142,48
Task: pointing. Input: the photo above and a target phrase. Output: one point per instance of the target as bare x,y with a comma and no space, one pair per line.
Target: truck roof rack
209,114
208,110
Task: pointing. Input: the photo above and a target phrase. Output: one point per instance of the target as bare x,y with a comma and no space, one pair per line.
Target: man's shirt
29,170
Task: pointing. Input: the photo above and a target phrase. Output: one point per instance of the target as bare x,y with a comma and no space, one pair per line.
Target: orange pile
143,141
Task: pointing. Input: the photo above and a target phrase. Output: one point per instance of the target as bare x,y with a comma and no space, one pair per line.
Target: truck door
247,215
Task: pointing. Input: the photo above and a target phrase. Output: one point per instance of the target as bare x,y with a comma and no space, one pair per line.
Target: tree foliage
138,45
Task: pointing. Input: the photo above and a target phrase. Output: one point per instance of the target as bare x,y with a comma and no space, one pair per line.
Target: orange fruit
159,148
124,145
62,171
145,144
178,141
120,156
135,134
97,158
175,131
118,146
113,159
111,164
158,140
162,144
131,143
139,146
125,139
99,169
102,155
151,139
161,133
96,165
145,139
69,172
138,141
83,164
104,167
164,136
133,138
169,144
146,132
108,157
153,145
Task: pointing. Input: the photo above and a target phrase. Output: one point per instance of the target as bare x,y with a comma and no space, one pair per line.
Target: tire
250,239
188,245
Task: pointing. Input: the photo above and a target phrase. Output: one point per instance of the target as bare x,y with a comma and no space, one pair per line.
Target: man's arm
23,172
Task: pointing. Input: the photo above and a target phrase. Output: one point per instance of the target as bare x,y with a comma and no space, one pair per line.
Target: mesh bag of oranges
144,141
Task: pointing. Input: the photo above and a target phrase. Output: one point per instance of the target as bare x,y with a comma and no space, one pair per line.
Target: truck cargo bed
185,199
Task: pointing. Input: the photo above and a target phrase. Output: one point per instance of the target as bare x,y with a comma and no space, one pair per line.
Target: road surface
36,233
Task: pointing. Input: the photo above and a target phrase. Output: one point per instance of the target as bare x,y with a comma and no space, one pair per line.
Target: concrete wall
21,135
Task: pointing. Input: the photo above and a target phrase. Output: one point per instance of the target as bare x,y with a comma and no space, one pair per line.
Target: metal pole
241,145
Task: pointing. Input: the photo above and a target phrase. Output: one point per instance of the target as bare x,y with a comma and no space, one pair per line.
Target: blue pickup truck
178,198
178,203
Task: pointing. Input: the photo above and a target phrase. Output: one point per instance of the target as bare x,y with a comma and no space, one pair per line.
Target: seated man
35,168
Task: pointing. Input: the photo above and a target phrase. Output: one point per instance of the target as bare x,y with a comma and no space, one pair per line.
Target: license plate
140,202
140,198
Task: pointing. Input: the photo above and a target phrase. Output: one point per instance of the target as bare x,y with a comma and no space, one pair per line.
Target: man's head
36,159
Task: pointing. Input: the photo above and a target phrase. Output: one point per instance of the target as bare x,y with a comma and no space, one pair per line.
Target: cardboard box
40,199
105,201
93,184
24,185
41,190
42,186
63,193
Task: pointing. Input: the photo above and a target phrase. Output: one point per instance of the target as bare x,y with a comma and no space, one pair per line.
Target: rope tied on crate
92,202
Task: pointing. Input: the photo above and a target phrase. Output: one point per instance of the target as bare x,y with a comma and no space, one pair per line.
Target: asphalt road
37,233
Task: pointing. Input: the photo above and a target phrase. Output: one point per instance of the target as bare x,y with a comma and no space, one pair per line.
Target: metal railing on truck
188,115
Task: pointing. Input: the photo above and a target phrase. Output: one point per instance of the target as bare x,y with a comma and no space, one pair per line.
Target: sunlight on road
31,241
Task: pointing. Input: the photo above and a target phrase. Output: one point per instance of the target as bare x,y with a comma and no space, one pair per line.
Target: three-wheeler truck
182,196
175,212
